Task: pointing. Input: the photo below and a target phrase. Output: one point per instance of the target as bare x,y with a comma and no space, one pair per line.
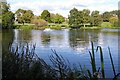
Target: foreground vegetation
21,63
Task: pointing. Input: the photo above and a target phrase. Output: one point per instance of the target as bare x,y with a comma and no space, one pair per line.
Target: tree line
76,18
94,18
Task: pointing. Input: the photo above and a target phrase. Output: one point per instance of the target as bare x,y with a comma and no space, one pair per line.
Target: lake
73,45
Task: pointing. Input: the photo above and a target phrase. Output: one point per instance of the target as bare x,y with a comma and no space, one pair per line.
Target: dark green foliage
7,16
23,64
106,25
73,17
86,16
106,16
79,18
57,18
46,15
95,18
116,24
7,20
83,18
24,16
5,7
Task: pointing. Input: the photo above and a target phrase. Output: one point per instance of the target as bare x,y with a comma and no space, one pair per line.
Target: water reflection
45,38
7,39
22,37
77,40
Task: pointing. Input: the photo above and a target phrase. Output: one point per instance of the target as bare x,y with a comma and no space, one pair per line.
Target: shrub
116,24
106,25
39,22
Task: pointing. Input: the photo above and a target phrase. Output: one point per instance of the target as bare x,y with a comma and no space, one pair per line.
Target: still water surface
73,45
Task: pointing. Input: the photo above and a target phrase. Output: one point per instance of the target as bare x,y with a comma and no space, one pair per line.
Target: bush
116,24
39,22
106,25
21,63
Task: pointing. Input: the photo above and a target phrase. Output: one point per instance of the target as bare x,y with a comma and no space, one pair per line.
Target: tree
95,18
106,16
7,16
7,20
73,17
80,17
113,19
52,17
57,18
19,15
114,13
28,15
86,16
46,15
4,7
24,16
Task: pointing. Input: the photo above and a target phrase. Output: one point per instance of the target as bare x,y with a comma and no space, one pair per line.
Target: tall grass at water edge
23,64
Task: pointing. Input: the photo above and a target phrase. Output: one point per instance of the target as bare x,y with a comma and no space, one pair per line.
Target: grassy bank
94,27
32,26
58,26
21,63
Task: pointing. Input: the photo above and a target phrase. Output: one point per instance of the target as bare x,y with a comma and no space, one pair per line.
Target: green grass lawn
58,26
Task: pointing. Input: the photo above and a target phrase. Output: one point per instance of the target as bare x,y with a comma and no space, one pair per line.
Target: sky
63,6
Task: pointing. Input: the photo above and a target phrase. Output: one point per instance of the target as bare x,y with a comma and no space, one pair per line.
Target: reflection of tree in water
57,37
24,36
79,39
7,39
45,37
93,35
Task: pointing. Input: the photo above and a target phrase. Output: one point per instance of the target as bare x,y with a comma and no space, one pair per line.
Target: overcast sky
63,6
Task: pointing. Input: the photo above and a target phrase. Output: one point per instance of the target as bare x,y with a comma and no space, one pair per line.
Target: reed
96,74
21,63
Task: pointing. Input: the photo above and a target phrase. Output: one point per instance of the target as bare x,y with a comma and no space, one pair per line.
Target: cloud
63,6
79,5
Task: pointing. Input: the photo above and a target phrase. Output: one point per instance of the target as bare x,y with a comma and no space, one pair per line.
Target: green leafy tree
24,16
73,17
52,17
86,16
106,16
19,15
96,19
7,16
28,15
4,7
80,17
7,20
113,19
57,18
46,15
114,13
